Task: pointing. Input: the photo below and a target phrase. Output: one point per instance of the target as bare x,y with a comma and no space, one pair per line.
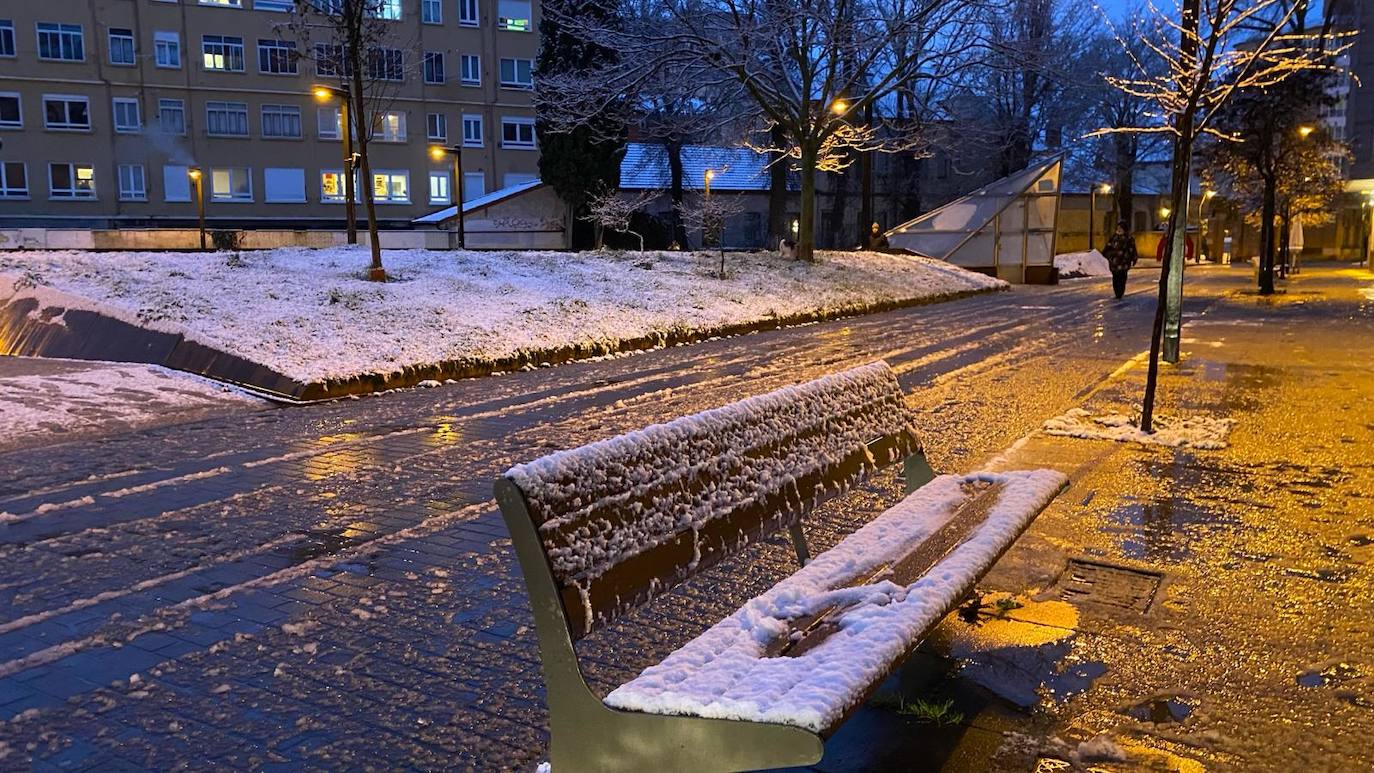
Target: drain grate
1113,586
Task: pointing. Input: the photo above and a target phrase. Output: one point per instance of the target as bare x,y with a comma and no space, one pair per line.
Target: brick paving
331,586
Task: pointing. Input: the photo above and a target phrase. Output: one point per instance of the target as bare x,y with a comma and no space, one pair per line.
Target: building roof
439,216
735,169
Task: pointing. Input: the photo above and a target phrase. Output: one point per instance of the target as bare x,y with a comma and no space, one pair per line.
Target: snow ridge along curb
61,327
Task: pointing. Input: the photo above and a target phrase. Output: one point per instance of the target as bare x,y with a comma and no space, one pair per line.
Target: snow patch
1200,432
1074,265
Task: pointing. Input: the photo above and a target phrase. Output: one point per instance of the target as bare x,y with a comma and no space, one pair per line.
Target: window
391,187
66,113
432,11
11,111
223,3
511,179
71,181
14,180
330,61
226,119
467,13
436,125
517,133
176,183
171,116
474,185
283,185
6,37
332,187
439,188
472,131
329,124
391,126
513,15
387,10
283,6
121,46
472,69
277,57
167,49
61,42
126,115
132,184
222,53
386,64
282,121
231,183
517,73
434,67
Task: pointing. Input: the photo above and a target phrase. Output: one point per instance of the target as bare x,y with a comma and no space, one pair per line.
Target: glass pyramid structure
1004,229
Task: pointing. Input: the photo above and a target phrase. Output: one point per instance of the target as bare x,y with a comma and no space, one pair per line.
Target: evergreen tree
580,160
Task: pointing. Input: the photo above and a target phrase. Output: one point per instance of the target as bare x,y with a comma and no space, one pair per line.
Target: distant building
104,104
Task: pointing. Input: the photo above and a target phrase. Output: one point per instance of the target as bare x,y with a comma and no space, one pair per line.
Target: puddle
1165,529
1330,674
1163,709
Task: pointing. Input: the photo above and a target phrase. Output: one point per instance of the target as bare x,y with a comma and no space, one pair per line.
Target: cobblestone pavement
331,586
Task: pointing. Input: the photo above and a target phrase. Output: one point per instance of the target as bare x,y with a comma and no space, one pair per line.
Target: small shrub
235,260
226,240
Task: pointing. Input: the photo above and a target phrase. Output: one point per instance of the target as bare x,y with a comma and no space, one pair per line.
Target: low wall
189,239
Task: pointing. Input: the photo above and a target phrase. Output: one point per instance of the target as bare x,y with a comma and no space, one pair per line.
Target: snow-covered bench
601,529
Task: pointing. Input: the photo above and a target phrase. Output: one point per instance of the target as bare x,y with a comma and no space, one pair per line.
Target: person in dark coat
1121,255
877,240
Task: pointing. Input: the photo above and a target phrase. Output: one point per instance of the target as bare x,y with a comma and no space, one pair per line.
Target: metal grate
1109,585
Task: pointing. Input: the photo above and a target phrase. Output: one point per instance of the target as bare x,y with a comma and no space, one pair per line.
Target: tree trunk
777,191
362,117
676,191
1124,152
806,223
1266,267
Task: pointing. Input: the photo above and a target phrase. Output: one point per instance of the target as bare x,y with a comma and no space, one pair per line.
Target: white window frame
226,108
481,138
389,10
518,121
130,192
232,197
274,6
272,45
19,103
336,132
223,3
67,127
280,110
384,57
327,198
446,197
7,189
384,124
469,13
124,38
431,124
11,49
271,172
179,104
165,41
431,11
85,194
389,174
119,128
476,61
226,45
433,56
516,61
62,31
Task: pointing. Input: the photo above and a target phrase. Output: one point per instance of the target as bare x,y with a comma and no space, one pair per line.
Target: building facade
105,105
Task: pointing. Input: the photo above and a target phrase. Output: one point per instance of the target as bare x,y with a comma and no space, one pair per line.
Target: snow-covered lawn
1073,265
44,401
311,315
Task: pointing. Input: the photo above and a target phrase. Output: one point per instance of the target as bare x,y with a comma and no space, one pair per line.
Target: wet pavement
331,586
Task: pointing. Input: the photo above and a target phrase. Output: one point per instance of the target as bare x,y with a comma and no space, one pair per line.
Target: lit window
126,115
71,181
388,10
437,127
167,49
472,131
390,126
14,180
62,42
66,113
121,46
513,15
517,73
517,133
391,187
222,53
11,111
471,69
231,184
132,184
332,187
439,188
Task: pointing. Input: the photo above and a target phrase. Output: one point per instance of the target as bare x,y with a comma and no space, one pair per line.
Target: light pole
437,152
1205,223
197,181
707,177
325,94
1104,189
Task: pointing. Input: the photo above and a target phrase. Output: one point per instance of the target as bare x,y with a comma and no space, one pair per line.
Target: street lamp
437,152
1104,189
707,177
840,107
326,94
1305,130
1205,222
196,180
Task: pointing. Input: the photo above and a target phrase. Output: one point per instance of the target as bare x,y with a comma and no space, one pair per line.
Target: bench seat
735,670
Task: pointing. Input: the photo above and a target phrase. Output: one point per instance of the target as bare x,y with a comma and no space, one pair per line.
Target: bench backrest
623,519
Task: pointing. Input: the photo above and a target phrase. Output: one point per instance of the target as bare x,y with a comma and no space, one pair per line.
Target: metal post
197,178
349,212
458,178
1092,215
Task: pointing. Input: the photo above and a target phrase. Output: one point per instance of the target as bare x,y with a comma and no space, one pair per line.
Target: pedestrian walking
1121,255
877,240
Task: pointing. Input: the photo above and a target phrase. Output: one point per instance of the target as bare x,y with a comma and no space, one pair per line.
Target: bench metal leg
799,543
917,471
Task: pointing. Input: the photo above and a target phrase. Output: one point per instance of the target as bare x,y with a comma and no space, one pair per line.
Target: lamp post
197,181
437,152
1104,189
325,94
1205,222
709,175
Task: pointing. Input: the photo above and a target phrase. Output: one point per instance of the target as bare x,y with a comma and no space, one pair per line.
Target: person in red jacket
1187,249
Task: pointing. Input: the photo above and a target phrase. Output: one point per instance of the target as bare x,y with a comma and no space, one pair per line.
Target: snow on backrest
625,518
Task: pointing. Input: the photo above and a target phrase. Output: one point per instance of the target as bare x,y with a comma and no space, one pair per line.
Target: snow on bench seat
726,674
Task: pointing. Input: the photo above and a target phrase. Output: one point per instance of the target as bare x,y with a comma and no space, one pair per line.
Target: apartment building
106,104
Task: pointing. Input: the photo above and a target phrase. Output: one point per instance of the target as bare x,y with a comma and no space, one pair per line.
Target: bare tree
810,69
355,44
1213,50
608,209
710,214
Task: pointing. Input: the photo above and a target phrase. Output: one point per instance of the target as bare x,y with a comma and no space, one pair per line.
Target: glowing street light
328,94
840,107
437,152
707,177
1305,130
197,180
1104,189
